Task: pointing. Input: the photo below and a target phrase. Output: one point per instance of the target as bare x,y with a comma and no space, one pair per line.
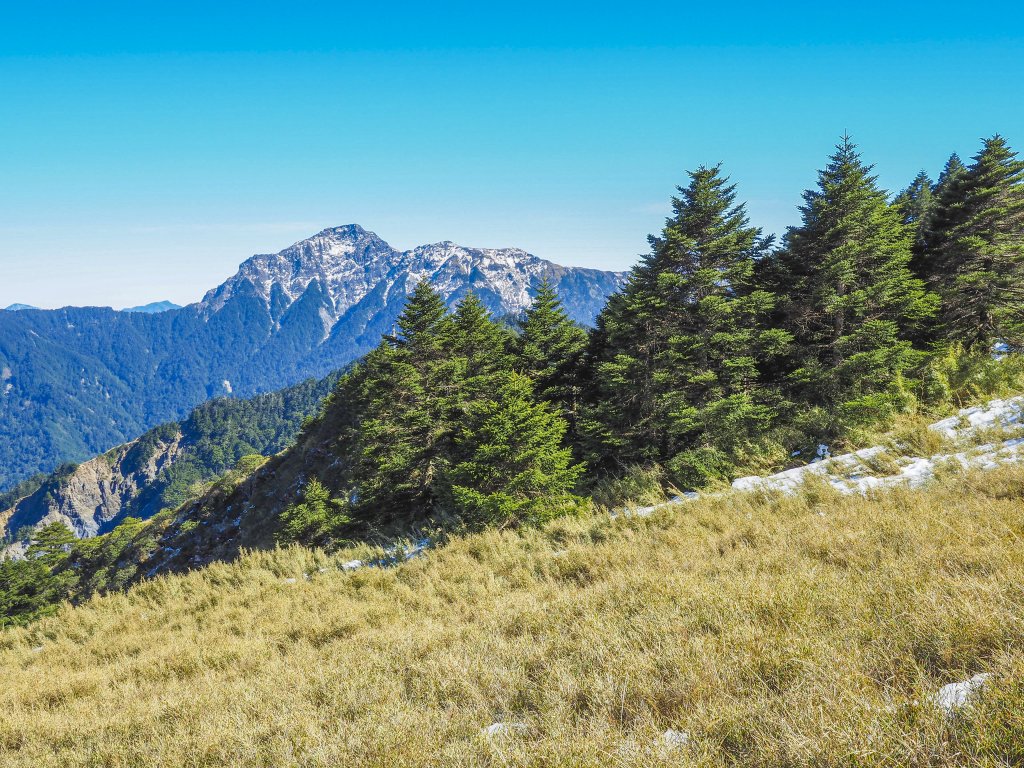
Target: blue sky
144,153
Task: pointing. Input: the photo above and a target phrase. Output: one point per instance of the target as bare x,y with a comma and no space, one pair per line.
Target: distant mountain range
149,309
154,308
75,382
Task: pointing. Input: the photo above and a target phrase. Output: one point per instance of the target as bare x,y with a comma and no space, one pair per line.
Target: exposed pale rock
503,729
955,696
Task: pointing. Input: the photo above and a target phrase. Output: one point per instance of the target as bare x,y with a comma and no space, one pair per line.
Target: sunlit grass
776,631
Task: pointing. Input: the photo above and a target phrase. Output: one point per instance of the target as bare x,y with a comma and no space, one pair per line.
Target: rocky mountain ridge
347,264
91,496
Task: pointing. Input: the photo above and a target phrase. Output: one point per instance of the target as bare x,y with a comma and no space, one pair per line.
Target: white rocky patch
955,696
503,729
858,472
853,473
673,739
994,414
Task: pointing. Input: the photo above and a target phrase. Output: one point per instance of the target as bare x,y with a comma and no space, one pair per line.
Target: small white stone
503,729
674,739
351,565
953,696
290,580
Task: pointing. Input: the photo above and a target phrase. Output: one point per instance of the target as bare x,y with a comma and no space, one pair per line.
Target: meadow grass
810,630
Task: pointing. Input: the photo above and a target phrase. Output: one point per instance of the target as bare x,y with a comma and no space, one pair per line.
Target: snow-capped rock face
348,264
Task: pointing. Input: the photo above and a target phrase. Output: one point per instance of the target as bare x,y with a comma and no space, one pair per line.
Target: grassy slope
777,631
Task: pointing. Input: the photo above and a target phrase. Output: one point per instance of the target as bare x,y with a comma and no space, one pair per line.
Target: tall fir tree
515,468
403,395
482,344
550,349
914,205
853,300
943,210
678,353
915,201
975,249
432,407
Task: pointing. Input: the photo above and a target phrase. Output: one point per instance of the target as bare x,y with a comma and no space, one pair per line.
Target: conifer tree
853,300
317,520
943,210
915,201
678,352
976,249
403,395
550,349
482,344
915,204
514,469
422,324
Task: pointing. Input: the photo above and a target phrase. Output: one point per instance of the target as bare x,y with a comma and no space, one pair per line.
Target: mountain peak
348,264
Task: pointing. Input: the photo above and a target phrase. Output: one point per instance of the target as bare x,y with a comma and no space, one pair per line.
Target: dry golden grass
776,631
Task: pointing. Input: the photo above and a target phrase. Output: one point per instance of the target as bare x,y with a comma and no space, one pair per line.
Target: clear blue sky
145,153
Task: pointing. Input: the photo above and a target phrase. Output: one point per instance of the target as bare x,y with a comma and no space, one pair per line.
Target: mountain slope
76,381
226,521
166,465
814,629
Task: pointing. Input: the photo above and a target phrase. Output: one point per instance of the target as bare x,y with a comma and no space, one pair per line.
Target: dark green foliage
679,354
852,300
515,468
317,520
550,349
57,567
915,202
436,404
33,586
974,249
220,433
404,397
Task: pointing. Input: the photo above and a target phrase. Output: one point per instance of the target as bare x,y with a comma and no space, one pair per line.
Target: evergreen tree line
723,351
722,348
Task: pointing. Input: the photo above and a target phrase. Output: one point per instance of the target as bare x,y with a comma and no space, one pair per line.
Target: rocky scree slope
76,381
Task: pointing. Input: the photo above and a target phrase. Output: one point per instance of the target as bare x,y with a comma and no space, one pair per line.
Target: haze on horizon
146,153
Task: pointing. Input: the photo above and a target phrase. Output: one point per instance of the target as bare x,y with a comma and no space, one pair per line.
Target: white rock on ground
995,413
955,696
673,738
503,729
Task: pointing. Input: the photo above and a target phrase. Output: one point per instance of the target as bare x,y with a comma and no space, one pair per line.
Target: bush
317,520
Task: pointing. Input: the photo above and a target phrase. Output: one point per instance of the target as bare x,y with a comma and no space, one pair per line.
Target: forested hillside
721,356
165,467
